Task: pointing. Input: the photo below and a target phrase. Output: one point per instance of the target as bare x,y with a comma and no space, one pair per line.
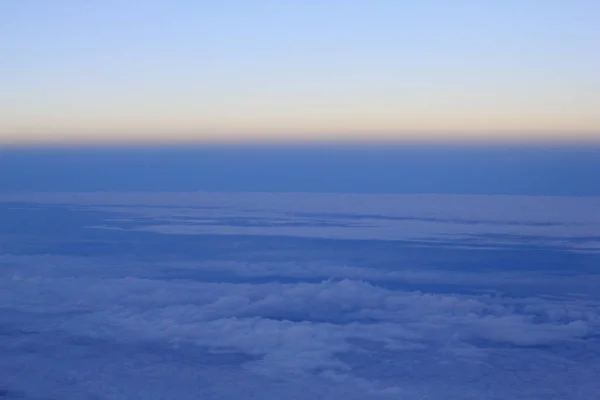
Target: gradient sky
147,70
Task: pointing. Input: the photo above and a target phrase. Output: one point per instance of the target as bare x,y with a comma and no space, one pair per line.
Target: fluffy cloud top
301,326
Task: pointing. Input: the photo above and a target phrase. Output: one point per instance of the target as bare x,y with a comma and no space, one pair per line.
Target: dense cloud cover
186,296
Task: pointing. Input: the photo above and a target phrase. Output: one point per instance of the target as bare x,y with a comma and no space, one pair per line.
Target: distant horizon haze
289,139
542,169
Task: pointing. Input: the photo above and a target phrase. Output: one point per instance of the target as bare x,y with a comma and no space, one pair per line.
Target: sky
146,71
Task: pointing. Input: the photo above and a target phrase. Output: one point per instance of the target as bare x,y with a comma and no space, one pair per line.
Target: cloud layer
288,325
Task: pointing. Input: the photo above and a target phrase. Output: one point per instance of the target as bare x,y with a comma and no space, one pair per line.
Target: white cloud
314,332
74,327
294,327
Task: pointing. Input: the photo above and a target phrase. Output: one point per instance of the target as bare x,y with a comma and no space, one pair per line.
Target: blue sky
142,71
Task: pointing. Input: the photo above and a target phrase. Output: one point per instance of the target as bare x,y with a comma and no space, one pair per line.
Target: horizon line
564,139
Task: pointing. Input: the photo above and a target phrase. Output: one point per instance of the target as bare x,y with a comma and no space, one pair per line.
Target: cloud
290,325
295,328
